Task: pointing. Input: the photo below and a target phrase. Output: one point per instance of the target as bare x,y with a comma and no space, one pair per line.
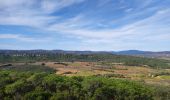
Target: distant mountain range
11,52
165,54
144,53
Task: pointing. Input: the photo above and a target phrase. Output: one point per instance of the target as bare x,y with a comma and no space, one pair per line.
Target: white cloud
129,10
32,13
147,27
23,38
4,36
37,14
55,5
32,21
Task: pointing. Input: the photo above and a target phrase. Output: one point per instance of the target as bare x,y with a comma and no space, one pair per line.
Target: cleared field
137,73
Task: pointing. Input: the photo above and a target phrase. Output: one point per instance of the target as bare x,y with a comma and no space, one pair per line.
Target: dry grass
91,68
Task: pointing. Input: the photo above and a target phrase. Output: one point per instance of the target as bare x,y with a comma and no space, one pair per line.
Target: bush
45,86
43,64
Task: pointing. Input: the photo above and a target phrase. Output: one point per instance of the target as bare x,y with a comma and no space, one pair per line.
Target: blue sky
85,24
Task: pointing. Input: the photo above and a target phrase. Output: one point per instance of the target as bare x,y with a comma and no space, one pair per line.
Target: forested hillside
60,57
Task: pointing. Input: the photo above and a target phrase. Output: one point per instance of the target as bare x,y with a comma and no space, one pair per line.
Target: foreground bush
46,86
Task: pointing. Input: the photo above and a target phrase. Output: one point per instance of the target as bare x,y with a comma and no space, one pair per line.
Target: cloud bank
86,24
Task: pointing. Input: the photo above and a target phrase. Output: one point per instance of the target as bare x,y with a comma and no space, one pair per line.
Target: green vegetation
108,58
162,93
46,86
31,68
33,81
43,86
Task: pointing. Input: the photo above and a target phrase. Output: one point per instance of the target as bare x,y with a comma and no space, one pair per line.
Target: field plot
76,68
115,70
137,73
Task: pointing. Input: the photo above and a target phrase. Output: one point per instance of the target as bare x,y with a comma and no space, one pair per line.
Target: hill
150,54
8,56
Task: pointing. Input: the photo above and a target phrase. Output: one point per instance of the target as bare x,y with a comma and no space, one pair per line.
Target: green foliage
104,89
46,86
162,93
34,95
30,68
108,58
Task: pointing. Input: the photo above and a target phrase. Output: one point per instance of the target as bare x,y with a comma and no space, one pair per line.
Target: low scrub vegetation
46,86
107,59
43,86
30,68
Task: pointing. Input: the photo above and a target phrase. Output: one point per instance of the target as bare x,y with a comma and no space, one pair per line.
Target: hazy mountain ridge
144,53
125,52
14,52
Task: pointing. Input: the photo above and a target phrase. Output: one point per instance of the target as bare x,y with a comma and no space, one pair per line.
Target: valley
140,77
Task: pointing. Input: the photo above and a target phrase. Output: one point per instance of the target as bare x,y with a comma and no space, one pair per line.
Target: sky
98,25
